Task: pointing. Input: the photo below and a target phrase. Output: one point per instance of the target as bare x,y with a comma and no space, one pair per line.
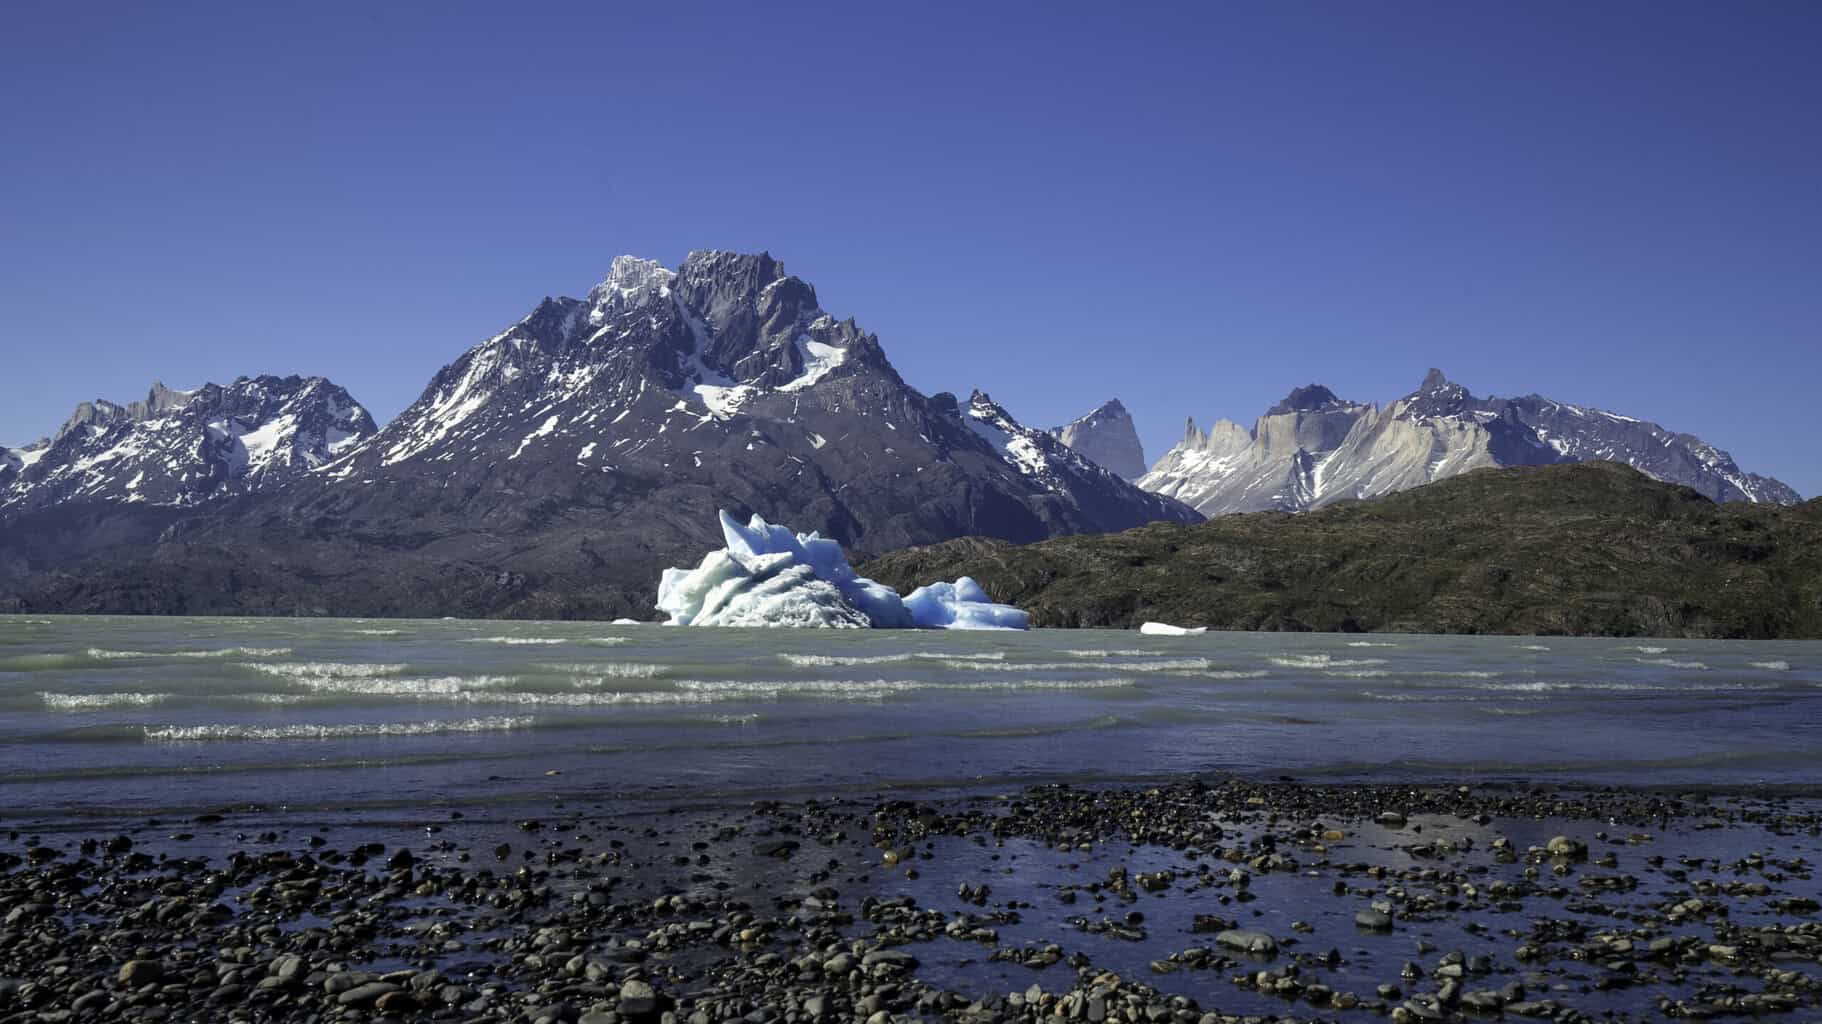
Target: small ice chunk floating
768,576
1166,629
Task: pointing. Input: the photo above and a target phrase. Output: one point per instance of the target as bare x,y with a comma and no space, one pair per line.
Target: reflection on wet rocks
1189,903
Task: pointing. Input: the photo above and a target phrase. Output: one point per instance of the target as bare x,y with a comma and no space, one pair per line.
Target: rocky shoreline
1195,902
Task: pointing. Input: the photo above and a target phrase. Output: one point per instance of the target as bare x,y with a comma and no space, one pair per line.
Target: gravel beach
1200,901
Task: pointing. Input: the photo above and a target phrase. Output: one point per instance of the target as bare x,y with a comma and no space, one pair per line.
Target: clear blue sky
1193,208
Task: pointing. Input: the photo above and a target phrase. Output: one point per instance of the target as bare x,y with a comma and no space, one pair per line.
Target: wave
302,670
1371,643
1383,673
1320,661
393,686
378,632
1102,653
1645,650
845,660
1558,687
1673,663
875,689
1165,665
100,701
1771,666
515,641
607,670
1532,647
301,731
605,641
1257,673
103,654
837,660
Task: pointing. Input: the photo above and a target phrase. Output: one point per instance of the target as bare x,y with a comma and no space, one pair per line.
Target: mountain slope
1106,436
1052,464
1314,448
183,447
555,468
1589,549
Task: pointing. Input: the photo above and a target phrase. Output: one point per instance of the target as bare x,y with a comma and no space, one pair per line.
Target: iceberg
1166,629
768,576
960,605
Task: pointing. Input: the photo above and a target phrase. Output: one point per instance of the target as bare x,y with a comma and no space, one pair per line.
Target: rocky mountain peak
631,283
1108,438
1437,396
180,447
1308,398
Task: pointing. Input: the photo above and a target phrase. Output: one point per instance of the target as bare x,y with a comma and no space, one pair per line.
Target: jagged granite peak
182,447
1309,450
1106,436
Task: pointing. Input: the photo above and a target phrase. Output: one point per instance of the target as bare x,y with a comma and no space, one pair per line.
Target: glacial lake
104,717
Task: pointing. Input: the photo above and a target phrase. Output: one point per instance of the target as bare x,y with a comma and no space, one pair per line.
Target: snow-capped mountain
1314,448
1047,461
555,468
181,447
1106,436
727,377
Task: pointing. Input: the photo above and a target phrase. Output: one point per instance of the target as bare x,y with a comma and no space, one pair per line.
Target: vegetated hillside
1587,549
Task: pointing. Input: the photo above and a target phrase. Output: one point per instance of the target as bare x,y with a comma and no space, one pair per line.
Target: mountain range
554,468
1315,448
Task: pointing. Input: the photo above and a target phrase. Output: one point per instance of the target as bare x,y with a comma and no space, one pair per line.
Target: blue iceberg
768,576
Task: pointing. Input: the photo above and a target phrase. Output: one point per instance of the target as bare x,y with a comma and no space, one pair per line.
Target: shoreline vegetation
1589,549
1197,901
1586,549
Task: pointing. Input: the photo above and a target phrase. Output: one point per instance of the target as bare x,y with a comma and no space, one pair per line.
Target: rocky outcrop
1106,436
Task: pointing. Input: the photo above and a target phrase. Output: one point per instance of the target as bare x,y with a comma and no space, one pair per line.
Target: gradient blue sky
1191,207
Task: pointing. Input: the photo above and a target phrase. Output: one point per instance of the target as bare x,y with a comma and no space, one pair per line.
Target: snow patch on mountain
181,447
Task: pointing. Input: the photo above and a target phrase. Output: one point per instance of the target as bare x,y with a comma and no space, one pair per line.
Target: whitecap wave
516,641
1532,647
351,730
596,671
395,686
839,660
297,670
104,654
1162,665
1673,663
875,689
1371,643
1321,661
1103,653
1382,673
100,701
846,660
1771,666
1645,650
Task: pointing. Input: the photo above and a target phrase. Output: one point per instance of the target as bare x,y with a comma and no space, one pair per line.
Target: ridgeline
1590,549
